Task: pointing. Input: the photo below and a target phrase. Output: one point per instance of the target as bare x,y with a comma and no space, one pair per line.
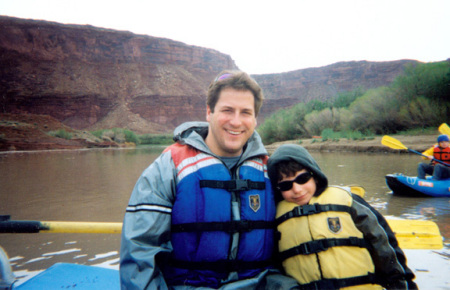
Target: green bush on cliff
61,133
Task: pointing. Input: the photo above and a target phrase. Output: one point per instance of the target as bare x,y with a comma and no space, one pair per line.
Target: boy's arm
388,258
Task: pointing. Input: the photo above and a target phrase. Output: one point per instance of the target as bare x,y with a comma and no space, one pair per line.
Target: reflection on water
95,185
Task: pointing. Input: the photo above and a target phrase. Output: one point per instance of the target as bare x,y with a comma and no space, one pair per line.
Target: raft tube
416,187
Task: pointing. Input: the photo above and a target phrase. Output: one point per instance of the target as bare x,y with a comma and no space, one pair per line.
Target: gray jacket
147,222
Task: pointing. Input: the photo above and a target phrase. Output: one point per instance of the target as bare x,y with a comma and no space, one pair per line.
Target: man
202,214
439,152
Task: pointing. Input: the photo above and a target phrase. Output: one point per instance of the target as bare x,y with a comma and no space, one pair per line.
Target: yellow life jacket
320,245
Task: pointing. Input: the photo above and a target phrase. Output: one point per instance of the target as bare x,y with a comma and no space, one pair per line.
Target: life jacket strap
370,278
229,227
322,245
310,209
223,266
233,185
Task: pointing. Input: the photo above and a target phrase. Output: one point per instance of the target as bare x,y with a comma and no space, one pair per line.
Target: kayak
412,186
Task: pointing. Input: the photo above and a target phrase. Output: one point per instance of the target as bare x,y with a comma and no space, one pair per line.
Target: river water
95,185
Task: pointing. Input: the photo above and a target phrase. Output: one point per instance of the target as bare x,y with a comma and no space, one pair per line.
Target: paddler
441,152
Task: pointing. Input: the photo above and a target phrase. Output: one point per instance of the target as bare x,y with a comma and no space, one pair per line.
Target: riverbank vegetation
418,99
414,102
61,133
120,135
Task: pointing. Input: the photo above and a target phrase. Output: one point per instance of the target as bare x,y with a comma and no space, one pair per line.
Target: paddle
411,234
444,129
9,226
396,144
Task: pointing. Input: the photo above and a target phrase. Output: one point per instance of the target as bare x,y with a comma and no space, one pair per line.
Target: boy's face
443,144
300,194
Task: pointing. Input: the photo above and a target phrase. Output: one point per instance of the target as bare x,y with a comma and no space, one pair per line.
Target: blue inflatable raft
416,187
73,276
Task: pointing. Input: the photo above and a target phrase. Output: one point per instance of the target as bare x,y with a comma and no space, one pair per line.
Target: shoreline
419,143
416,142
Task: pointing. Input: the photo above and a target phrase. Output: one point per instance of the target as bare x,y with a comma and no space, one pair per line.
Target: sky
269,36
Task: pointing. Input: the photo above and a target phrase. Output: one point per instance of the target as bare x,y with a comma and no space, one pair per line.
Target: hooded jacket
146,234
389,260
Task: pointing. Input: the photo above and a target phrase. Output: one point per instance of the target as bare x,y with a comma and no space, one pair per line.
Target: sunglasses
300,179
223,77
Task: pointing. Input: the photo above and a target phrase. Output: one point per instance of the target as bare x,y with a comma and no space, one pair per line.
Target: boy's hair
237,80
287,168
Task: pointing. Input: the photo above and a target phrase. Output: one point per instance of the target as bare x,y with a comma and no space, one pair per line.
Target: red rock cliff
91,78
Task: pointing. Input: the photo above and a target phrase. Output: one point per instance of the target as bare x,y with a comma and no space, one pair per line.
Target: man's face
232,123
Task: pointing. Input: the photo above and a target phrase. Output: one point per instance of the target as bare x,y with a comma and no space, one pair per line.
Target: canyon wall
91,78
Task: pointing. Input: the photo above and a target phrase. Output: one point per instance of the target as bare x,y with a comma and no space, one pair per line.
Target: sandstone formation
90,77
94,78
326,82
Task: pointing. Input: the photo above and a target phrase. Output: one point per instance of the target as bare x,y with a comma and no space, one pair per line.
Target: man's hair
237,80
287,168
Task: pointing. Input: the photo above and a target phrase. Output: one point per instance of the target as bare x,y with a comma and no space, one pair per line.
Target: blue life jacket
202,220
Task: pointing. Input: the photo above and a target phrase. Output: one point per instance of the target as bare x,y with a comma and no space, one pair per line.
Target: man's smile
234,132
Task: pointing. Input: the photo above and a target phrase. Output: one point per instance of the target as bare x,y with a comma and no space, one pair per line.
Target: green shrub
61,133
157,139
130,136
118,135
328,134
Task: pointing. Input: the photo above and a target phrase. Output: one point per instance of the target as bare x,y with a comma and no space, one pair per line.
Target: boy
439,152
339,239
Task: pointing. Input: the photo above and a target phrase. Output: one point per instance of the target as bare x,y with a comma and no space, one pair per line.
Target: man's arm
146,227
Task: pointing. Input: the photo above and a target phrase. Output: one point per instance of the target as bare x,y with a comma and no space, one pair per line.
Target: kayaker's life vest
442,154
220,224
320,245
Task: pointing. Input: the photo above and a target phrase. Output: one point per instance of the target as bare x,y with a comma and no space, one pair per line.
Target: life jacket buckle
307,209
241,185
313,247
